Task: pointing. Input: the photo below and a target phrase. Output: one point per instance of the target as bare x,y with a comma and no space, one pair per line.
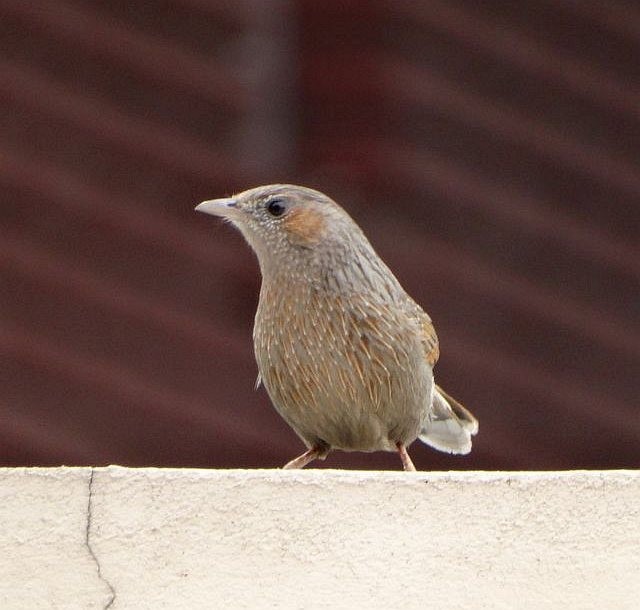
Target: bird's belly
350,399
374,416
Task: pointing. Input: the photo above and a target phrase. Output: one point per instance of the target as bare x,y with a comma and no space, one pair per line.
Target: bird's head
281,221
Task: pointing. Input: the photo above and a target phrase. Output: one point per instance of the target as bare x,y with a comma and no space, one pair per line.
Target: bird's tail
450,426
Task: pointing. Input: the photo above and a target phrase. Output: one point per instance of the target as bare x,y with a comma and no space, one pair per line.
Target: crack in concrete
87,542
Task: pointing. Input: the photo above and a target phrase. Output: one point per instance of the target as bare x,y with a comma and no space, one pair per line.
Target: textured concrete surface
150,538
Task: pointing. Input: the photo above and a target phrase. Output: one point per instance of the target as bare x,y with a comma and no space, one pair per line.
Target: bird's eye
276,207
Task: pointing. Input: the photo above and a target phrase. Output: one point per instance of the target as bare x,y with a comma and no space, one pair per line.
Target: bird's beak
218,207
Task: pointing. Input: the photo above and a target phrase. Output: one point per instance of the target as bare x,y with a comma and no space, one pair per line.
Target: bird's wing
432,349
428,332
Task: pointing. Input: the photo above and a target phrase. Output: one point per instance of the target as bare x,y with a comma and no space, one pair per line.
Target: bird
344,353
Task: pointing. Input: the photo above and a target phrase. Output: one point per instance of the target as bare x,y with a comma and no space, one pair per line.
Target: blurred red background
490,152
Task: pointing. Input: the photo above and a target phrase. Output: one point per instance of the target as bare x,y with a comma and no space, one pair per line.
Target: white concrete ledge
155,538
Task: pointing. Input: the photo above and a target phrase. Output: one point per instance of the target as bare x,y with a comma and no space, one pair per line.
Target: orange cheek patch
304,225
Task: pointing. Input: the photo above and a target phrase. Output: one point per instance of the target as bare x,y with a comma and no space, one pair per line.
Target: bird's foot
407,464
318,452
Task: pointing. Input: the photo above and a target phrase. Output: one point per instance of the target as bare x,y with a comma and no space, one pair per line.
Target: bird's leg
407,464
319,452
